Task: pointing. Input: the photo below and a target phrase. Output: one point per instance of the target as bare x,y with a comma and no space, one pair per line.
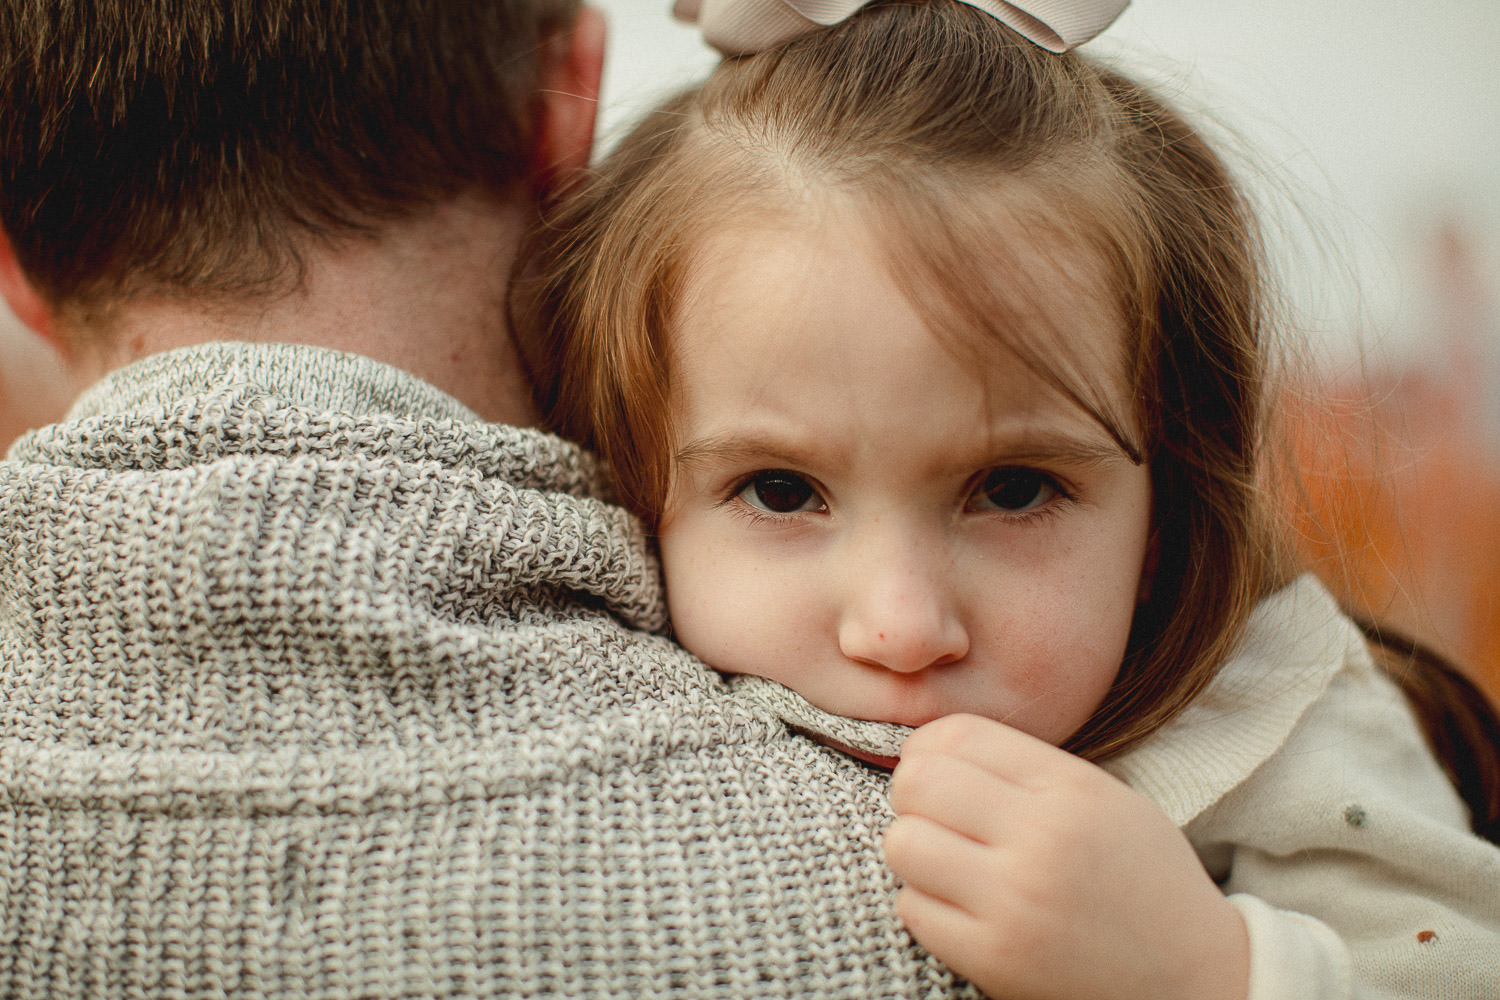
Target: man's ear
22,297
572,68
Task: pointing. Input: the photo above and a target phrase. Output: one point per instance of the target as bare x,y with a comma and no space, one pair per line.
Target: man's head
203,149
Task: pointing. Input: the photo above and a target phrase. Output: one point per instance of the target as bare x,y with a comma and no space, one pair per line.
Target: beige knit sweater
313,685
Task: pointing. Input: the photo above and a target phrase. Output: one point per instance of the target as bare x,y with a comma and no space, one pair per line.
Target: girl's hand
1034,873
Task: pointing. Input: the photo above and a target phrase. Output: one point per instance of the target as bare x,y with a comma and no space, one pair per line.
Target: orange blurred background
1400,464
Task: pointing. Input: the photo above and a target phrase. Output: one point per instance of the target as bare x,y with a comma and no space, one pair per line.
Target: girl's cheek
701,592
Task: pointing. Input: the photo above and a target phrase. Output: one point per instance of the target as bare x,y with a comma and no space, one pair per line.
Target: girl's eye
1014,490
781,493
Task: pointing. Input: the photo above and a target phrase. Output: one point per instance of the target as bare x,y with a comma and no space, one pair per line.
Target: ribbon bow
740,27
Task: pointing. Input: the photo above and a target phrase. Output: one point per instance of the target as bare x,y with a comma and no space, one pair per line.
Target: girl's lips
874,760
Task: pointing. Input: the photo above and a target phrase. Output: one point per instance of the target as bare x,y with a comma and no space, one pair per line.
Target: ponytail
1461,723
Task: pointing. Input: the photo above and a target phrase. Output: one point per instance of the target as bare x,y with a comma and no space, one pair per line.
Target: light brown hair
190,145
915,109
918,107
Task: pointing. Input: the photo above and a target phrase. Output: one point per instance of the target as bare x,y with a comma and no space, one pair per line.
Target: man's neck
426,294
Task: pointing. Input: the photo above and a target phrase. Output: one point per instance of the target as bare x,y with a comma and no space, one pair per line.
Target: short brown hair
191,144
922,105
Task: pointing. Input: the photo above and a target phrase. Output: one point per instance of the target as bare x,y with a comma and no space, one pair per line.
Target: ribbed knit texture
313,685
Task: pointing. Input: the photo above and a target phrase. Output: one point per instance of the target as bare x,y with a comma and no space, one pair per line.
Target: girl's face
892,530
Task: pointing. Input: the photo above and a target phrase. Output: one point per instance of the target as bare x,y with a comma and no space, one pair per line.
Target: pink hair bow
740,27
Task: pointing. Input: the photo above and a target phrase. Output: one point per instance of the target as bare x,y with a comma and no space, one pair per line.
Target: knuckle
909,777
941,735
961,728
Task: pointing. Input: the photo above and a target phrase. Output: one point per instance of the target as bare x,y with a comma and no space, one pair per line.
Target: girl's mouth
874,760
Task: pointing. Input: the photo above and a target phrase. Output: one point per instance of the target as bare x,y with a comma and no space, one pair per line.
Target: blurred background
1370,133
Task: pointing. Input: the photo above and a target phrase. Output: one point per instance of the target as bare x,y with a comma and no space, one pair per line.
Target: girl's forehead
1013,303
994,273
774,300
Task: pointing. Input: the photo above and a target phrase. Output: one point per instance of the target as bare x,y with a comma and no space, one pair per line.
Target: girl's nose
902,619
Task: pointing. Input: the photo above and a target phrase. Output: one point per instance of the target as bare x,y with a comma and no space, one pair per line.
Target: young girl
938,361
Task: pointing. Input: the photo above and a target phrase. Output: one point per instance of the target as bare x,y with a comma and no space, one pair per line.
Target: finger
1000,749
957,794
942,928
939,862
958,939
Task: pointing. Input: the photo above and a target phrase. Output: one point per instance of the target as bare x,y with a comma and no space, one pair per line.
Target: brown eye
781,493
1014,490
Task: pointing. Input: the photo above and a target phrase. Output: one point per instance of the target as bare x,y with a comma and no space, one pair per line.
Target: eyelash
1061,500
1062,497
737,506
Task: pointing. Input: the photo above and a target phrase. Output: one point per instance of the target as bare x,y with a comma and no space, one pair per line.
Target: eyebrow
734,448
1024,448
1069,448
